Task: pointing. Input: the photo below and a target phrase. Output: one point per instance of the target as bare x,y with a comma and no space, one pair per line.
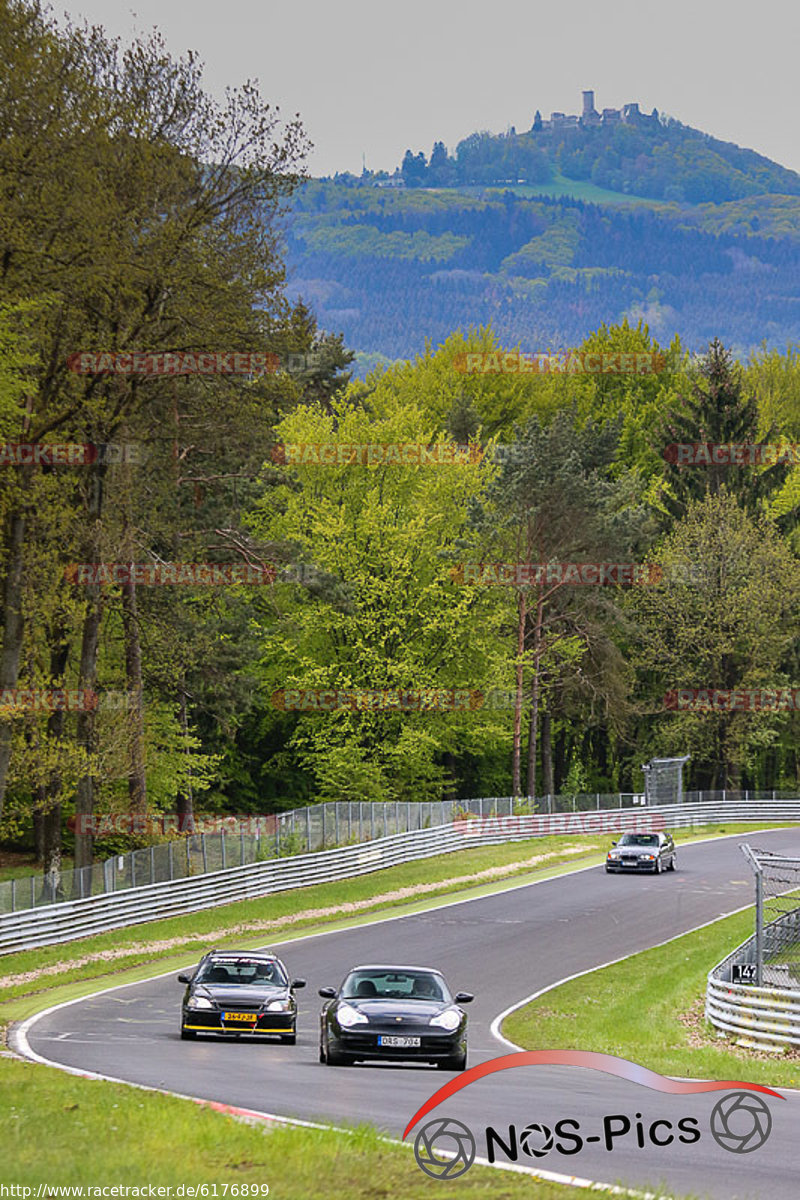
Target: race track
502,948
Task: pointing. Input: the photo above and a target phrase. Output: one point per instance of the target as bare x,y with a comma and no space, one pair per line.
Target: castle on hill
629,114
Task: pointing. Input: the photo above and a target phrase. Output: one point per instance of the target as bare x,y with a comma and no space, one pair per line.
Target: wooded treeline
140,217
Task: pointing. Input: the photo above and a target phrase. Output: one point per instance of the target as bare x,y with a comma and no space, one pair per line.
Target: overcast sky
373,78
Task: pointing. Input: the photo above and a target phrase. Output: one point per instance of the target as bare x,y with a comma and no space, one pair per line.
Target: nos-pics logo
740,1122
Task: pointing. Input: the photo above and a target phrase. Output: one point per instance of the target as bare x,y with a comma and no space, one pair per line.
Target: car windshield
394,985
241,972
638,839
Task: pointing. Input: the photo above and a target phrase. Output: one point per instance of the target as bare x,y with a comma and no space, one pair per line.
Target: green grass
577,189
649,1009
27,866
58,1129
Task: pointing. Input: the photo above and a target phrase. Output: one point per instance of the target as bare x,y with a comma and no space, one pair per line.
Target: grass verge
650,1009
100,1133
105,1134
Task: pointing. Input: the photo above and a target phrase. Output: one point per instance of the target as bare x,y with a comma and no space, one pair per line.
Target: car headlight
613,854
199,1002
450,1019
279,1006
648,857
348,1016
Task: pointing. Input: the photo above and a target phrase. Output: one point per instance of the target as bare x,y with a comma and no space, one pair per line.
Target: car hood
391,1010
223,993
636,851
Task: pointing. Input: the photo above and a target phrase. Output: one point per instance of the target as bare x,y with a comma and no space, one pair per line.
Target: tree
553,501
723,617
717,413
143,214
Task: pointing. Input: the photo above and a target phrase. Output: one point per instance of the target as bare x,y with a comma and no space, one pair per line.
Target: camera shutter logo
447,1136
536,1140
741,1122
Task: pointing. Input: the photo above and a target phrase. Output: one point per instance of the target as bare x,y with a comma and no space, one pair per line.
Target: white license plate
250,1018
391,1040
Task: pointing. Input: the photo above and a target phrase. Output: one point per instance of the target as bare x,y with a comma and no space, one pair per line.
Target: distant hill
709,244
620,150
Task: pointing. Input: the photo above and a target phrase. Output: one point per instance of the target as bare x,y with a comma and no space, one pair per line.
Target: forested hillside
393,269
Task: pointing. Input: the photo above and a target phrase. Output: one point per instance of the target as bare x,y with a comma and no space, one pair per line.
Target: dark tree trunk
547,754
13,628
137,783
533,730
86,735
516,772
184,801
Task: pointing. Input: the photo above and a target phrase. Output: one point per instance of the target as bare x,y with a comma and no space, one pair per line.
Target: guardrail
761,1018
761,1007
73,919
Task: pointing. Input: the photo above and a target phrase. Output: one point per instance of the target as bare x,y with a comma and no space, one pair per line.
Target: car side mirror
297,983
464,997
613,843
184,979
328,993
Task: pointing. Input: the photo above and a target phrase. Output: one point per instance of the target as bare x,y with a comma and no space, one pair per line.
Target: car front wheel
673,863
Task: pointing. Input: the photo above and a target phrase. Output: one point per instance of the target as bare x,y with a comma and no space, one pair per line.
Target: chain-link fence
300,831
777,939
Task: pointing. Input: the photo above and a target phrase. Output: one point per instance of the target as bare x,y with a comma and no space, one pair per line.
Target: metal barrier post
241,843
203,849
222,851
324,806
759,927
152,864
133,871
13,891
372,819
171,857
308,828
336,821
188,856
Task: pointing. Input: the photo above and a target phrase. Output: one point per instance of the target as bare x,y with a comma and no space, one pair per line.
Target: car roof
266,955
393,967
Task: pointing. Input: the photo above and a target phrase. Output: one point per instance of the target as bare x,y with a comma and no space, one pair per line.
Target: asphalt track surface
503,948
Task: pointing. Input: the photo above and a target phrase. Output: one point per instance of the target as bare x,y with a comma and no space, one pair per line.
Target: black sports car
234,992
642,852
393,1013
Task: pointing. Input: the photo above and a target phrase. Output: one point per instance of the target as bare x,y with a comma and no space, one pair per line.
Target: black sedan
234,992
642,852
394,1013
